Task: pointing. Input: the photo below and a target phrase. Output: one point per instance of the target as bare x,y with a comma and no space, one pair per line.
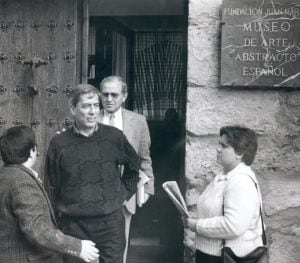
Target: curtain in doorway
119,55
159,73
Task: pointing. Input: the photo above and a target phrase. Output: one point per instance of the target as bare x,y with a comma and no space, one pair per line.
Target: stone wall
274,114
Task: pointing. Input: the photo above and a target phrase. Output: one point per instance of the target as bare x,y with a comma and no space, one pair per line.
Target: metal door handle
35,62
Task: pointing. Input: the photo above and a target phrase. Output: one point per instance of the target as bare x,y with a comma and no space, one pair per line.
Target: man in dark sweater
82,167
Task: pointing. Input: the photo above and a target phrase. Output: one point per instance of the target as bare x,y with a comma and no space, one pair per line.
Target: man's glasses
113,95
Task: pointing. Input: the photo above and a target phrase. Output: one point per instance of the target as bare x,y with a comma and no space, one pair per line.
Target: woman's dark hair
16,143
242,140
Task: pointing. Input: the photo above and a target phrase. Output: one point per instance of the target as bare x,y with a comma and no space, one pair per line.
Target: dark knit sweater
83,172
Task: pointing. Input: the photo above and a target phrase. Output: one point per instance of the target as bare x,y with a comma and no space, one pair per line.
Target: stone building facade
273,113
57,32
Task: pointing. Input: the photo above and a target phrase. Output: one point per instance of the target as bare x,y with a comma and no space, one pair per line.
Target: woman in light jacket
229,208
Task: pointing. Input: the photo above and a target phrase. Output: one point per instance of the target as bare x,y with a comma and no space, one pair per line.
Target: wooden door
38,47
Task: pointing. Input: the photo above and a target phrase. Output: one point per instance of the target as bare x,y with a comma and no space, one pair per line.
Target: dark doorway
150,53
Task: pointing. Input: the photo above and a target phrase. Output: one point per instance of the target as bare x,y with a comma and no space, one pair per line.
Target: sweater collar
241,168
77,132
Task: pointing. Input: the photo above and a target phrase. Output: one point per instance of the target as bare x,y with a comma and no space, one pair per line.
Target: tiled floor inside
149,250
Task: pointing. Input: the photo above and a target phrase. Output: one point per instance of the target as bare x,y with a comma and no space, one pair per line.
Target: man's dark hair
243,140
16,143
79,90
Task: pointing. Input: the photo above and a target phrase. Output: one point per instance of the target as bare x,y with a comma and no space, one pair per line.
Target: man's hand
88,251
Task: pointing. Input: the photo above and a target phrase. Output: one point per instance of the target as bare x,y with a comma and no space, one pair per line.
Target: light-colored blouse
241,225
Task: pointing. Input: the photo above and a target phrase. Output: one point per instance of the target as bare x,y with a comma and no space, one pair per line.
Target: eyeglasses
113,95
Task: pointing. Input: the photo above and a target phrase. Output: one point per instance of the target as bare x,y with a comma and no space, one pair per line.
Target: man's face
34,155
112,96
86,111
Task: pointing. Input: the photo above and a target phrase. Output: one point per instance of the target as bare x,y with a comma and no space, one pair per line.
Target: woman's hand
190,223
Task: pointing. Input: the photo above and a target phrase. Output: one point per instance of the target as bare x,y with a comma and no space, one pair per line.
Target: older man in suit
113,92
28,227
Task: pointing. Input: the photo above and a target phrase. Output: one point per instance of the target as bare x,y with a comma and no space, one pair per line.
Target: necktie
112,120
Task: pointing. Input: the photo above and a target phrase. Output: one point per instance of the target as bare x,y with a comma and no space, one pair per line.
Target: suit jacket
28,230
136,130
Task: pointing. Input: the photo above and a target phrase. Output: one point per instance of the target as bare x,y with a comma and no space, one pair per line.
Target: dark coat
28,231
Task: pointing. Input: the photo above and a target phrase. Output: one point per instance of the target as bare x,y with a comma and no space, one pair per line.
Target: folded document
140,195
172,189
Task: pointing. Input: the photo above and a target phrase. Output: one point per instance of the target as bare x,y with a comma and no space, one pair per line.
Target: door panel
14,100
54,80
112,50
44,30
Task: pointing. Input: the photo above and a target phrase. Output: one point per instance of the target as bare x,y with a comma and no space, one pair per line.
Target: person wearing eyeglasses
113,94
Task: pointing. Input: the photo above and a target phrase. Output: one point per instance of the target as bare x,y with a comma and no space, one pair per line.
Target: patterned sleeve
32,210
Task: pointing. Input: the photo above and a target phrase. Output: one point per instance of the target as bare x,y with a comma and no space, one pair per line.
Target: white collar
240,168
118,119
35,173
117,114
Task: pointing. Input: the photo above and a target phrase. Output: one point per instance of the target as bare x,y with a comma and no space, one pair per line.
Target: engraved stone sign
260,43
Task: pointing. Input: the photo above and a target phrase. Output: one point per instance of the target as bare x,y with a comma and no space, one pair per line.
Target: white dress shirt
35,174
117,117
